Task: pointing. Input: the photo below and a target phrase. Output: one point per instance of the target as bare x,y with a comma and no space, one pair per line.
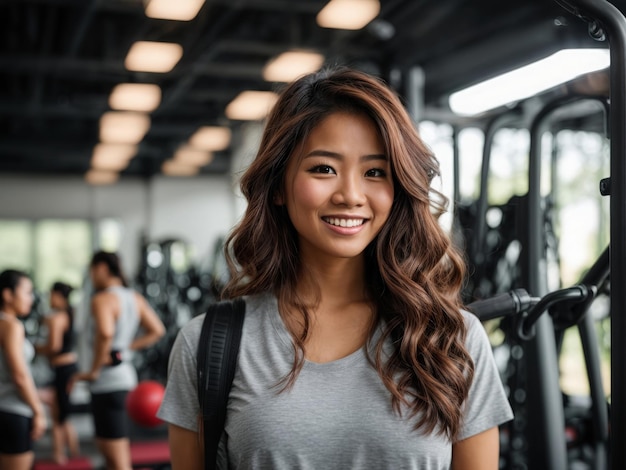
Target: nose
350,191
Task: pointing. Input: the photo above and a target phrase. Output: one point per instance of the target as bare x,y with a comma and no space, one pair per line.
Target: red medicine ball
142,403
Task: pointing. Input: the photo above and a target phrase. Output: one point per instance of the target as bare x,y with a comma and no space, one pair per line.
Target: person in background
355,351
22,415
59,348
121,322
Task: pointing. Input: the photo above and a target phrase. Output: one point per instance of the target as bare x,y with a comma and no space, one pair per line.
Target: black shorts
62,376
109,415
15,433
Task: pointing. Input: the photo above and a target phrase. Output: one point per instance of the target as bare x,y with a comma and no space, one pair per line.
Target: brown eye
323,169
376,172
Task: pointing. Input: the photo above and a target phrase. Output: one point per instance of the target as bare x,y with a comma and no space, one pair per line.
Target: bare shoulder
139,298
59,319
11,324
141,302
103,300
12,328
102,296
143,307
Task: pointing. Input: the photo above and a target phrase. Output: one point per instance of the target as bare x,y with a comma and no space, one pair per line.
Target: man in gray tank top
117,312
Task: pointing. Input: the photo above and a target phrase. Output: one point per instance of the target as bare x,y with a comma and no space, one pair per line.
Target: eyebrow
338,156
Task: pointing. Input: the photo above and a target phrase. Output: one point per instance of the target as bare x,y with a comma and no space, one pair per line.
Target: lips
344,222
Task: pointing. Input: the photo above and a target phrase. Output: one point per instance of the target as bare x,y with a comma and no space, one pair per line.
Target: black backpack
217,360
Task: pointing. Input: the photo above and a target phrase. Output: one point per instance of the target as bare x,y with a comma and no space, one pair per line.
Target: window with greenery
16,245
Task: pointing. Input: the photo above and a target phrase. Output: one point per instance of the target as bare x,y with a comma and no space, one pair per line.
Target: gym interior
536,177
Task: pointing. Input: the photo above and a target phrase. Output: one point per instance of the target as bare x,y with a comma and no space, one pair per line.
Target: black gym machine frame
546,447
542,423
606,21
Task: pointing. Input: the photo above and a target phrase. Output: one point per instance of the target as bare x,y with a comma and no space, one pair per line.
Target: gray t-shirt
338,415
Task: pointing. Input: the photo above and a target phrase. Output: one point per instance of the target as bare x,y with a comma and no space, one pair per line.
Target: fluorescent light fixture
157,57
211,138
528,80
123,127
179,10
292,64
191,156
112,156
174,168
348,14
144,97
251,105
101,177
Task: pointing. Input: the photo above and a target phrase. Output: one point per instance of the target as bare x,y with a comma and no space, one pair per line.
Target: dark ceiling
60,59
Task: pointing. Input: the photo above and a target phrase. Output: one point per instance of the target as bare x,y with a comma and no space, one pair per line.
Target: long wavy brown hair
413,272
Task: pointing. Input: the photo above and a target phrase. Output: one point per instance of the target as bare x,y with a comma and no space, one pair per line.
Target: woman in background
60,351
22,416
117,314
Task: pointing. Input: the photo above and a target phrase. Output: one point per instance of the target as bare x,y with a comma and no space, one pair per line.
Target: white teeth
344,222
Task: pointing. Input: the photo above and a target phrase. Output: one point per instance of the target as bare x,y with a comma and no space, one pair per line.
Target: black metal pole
613,23
456,193
546,438
599,413
500,121
596,276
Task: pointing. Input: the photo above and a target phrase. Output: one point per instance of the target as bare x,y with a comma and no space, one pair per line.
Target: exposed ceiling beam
77,68
89,10
297,6
90,109
206,55
50,26
108,5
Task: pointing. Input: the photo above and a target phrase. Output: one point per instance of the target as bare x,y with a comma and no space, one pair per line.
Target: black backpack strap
217,360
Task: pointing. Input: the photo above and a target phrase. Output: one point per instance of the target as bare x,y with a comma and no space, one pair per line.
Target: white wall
243,153
198,209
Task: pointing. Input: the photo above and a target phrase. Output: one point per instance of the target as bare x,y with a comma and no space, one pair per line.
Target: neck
336,281
113,282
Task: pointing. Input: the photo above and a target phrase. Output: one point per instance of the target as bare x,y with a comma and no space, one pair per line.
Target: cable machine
543,423
547,446
603,16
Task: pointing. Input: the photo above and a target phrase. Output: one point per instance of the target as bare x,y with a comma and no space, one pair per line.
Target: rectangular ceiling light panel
156,57
174,168
112,156
192,156
348,14
528,80
101,177
292,64
212,138
178,10
143,97
122,127
251,105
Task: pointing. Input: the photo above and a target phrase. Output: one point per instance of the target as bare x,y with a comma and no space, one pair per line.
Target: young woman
22,416
118,313
59,349
355,351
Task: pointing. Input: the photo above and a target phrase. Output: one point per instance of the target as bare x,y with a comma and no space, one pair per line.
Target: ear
7,296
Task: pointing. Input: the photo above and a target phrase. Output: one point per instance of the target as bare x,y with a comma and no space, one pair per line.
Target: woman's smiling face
338,187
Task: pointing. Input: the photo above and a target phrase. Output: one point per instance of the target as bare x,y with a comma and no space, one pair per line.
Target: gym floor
149,448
